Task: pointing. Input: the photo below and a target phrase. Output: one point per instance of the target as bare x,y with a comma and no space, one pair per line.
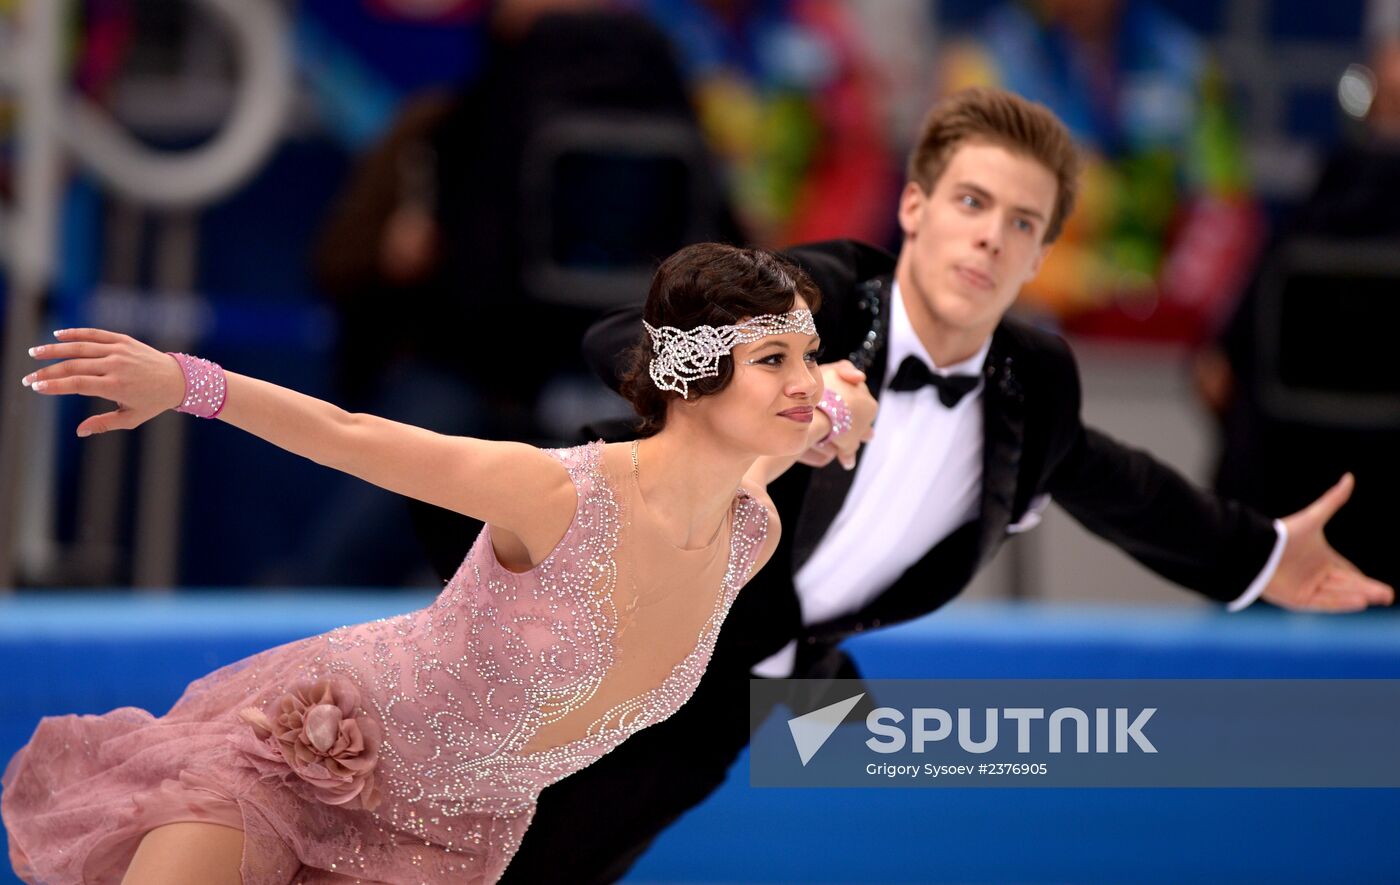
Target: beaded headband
681,356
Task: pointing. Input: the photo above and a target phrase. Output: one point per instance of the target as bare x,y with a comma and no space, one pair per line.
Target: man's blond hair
998,117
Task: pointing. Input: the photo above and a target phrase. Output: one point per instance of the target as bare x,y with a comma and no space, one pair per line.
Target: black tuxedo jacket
1035,443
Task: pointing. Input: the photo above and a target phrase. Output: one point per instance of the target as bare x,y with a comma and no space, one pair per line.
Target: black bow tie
914,373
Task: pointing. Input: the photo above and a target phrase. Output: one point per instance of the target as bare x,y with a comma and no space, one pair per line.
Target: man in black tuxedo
978,428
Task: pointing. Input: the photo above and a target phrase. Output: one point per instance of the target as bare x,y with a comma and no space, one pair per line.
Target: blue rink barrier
90,653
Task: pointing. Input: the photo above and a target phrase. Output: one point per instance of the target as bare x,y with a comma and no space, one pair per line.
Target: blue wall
92,653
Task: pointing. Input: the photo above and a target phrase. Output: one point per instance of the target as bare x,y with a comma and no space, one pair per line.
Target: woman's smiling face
767,406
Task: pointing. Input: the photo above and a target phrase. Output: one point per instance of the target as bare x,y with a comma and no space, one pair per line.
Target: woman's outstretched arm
511,485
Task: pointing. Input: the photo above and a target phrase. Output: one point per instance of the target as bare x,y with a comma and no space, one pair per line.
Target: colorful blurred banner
790,105
1166,230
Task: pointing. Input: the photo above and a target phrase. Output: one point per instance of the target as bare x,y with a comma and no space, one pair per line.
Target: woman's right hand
141,380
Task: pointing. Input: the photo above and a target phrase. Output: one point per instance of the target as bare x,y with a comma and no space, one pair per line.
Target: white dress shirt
917,481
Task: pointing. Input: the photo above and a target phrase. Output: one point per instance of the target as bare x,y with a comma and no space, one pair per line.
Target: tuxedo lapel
950,565
873,303
1003,423
828,487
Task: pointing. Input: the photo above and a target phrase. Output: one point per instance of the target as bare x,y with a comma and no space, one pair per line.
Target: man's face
971,244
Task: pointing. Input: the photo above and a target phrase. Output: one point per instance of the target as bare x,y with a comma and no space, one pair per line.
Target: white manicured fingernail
39,385
33,351
24,381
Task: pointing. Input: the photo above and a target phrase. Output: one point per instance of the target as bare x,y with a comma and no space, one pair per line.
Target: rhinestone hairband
681,357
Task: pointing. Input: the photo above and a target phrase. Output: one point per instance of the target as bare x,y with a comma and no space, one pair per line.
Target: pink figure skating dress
410,749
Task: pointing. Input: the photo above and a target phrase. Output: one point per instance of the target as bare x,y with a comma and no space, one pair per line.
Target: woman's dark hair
709,284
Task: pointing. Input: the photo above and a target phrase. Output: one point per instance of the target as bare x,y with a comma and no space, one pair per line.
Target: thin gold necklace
637,481
627,612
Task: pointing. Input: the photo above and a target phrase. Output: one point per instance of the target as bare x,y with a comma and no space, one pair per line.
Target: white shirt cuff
779,665
1252,592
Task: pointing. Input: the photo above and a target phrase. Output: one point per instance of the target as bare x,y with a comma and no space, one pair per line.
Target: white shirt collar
903,342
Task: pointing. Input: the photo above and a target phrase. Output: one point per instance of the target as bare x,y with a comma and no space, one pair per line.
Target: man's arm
1213,545
1153,514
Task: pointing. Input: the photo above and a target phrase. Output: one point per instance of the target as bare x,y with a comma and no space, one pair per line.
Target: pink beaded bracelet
834,407
206,388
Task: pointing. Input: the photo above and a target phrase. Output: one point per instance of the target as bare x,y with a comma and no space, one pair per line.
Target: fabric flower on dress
314,734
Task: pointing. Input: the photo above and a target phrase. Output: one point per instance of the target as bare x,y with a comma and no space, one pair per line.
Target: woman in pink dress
412,749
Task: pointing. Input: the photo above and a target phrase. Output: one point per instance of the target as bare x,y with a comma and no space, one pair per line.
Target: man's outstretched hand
1311,576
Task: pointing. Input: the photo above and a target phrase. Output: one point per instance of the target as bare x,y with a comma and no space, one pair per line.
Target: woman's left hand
141,380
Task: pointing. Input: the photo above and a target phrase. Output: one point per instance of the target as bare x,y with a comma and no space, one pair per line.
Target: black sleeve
606,343
1145,508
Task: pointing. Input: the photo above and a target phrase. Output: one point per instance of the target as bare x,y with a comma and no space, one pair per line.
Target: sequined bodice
509,682
414,748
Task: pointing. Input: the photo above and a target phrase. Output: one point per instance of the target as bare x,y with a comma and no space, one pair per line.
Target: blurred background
414,207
